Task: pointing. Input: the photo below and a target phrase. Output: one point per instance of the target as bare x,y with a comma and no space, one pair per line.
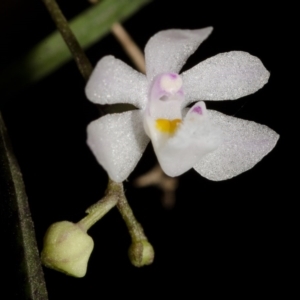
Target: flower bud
141,253
67,248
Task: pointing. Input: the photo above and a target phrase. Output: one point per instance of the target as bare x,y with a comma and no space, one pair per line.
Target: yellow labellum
167,126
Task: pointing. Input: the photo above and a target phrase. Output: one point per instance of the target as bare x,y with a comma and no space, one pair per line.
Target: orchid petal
245,143
194,138
226,76
118,142
112,81
168,50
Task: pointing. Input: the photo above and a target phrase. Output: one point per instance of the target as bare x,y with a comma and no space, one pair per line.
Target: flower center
166,87
167,126
170,83
163,114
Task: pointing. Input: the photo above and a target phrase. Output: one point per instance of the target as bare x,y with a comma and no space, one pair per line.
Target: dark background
220,236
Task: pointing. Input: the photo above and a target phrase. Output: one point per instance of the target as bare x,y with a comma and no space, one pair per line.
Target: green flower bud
67,248
141,253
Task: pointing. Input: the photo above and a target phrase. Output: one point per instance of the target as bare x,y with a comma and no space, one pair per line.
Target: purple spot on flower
197,109
173,75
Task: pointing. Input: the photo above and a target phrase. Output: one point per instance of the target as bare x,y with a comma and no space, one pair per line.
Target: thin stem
134,227
113,194
130,47
62,25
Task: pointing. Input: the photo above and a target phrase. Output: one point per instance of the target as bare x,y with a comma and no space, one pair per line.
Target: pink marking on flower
166,86
197,109
173,75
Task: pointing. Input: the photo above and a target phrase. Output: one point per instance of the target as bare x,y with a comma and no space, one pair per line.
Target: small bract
215,145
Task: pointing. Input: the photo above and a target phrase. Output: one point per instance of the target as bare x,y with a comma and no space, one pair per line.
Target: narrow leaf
21,266
51,53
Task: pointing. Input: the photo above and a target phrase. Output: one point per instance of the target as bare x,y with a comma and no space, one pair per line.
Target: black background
231,237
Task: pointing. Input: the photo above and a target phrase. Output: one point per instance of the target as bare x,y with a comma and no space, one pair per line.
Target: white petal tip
245,143
118,142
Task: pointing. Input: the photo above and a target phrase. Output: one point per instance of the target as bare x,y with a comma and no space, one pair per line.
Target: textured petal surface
112,81
168,50
226,76
118,142
195,137
245,143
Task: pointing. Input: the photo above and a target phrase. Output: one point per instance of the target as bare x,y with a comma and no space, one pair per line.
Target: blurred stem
130,47
62,25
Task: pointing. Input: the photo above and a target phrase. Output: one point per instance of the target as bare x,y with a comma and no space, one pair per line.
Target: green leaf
20,262
51,53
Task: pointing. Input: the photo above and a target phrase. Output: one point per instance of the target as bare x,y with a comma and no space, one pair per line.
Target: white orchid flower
215,145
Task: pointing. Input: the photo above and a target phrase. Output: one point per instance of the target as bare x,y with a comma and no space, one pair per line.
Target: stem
134,227
130,47
62,25
113,194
